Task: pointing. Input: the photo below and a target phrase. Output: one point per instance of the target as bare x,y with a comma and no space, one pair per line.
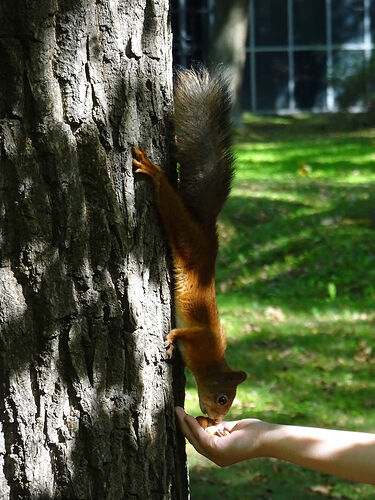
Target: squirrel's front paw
169,346
143,164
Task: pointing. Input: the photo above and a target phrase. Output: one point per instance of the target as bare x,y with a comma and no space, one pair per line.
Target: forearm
350,455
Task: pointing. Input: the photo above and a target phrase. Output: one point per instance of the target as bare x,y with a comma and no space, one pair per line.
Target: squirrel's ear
234,377
239,377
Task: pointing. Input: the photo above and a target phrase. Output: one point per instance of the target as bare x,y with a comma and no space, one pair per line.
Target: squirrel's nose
203,409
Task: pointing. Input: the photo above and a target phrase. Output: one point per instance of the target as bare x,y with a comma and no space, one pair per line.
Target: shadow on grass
287,251
263,479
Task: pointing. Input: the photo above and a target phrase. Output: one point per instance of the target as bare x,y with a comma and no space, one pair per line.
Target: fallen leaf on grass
328,221
243,405
364,354
323,489
275,314
259,478
304,170
250,328
225,285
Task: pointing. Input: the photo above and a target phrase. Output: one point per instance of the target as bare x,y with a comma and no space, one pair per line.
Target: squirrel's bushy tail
202,124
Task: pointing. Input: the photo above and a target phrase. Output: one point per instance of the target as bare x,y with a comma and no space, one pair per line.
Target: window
191,28
310,86
297,49
309,21
272,80
372,20
347,64
347,21
271,22
299,52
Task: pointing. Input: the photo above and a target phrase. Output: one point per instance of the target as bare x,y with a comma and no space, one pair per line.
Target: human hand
240,440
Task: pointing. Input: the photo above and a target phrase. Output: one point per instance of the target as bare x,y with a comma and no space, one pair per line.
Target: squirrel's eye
222,400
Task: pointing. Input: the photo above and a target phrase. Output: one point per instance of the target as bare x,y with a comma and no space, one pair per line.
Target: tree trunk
86,397
228,42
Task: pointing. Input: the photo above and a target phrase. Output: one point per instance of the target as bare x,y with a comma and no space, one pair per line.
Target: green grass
296,292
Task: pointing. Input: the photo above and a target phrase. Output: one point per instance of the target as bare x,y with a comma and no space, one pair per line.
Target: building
299,52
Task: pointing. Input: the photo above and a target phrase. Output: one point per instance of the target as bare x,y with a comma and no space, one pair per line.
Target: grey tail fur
203,141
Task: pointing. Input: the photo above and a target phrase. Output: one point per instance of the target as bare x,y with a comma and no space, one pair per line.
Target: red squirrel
202,126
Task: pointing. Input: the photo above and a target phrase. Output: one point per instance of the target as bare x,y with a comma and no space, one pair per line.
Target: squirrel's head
216,393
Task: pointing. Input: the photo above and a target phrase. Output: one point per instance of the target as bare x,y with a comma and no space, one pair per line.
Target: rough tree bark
86,399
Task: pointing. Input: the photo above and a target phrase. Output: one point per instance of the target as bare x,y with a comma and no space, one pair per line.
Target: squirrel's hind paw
169,347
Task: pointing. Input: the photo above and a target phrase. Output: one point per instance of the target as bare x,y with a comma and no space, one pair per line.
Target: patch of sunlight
289,196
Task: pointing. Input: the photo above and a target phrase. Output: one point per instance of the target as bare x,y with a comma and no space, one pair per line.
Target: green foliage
296,290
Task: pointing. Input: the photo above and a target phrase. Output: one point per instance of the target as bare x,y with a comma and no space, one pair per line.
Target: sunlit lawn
296,292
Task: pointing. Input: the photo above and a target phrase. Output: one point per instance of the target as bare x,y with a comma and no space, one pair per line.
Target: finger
196,429
195,434
180,413
229,426
184,428
184,420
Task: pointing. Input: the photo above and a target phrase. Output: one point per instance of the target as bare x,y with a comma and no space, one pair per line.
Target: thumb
191,428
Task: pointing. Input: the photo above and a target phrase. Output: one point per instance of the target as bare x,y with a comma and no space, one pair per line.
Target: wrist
257,438
270,436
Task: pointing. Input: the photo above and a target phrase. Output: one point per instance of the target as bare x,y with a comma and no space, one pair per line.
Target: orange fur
199,335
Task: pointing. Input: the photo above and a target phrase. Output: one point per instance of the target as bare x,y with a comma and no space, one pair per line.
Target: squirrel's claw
169,346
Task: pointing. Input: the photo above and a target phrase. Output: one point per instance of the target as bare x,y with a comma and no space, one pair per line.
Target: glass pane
190,26
197,29
372,20
197,4
271,22
310,79
272,80
347,21
309,22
